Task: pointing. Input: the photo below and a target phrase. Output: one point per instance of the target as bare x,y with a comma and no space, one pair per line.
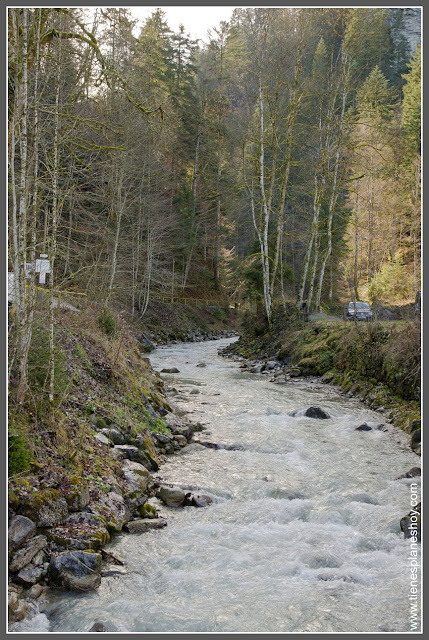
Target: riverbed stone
197,500
24,555
172,497
76,570
20,530
31,575
411,523
412,473
317,412
363,427
98,627
143,525
17,607
415,440
170,370
191,448
270,365
195,427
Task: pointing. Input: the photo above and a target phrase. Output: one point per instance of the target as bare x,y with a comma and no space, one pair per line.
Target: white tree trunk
265,211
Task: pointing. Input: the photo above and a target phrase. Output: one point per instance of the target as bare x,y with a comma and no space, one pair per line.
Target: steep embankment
80,469
165,323
378,362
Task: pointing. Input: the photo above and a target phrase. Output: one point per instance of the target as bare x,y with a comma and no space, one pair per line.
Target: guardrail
188,301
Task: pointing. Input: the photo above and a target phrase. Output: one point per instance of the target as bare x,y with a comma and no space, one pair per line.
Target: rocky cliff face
410,24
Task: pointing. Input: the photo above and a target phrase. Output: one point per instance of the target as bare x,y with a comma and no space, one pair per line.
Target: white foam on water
302,536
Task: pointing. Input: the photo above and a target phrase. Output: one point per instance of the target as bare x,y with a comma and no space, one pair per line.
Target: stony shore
60,526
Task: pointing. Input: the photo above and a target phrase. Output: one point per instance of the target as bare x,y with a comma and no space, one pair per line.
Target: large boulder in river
141,526
316,412
170,370
197,500
172,497
76,571
363,427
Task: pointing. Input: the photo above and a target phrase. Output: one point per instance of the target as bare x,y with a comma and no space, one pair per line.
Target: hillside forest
277,163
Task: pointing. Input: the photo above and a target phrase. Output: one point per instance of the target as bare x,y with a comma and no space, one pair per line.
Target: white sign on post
43,266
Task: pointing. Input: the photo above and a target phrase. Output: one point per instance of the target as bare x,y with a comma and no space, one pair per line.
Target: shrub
219,313
38,363
19,454
361,351
107,322
402,361
392,284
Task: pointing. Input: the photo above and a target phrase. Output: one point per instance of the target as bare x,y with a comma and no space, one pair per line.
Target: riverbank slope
378,362
80,467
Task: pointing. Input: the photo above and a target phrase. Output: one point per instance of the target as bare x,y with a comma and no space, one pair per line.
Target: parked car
362,310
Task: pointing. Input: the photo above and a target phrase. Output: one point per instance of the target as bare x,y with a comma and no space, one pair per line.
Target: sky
196,20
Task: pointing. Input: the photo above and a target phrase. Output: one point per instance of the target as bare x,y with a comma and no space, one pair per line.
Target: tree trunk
218,215
27,333
265,211
53,247
336,184
20,274
356,260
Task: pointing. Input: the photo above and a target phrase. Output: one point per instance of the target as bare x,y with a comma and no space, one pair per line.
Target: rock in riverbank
76,571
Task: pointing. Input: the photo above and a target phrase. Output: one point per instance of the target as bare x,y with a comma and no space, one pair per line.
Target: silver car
361,309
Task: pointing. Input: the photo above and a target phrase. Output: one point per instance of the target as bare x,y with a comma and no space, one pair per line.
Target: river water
302,536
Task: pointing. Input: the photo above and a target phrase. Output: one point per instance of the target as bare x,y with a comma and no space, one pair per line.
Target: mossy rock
150,451
147,511
47,508
77,497
309,365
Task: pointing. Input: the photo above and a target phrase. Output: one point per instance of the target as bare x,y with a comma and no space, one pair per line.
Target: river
302,536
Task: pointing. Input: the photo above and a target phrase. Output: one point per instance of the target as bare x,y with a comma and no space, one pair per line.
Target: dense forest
280,162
